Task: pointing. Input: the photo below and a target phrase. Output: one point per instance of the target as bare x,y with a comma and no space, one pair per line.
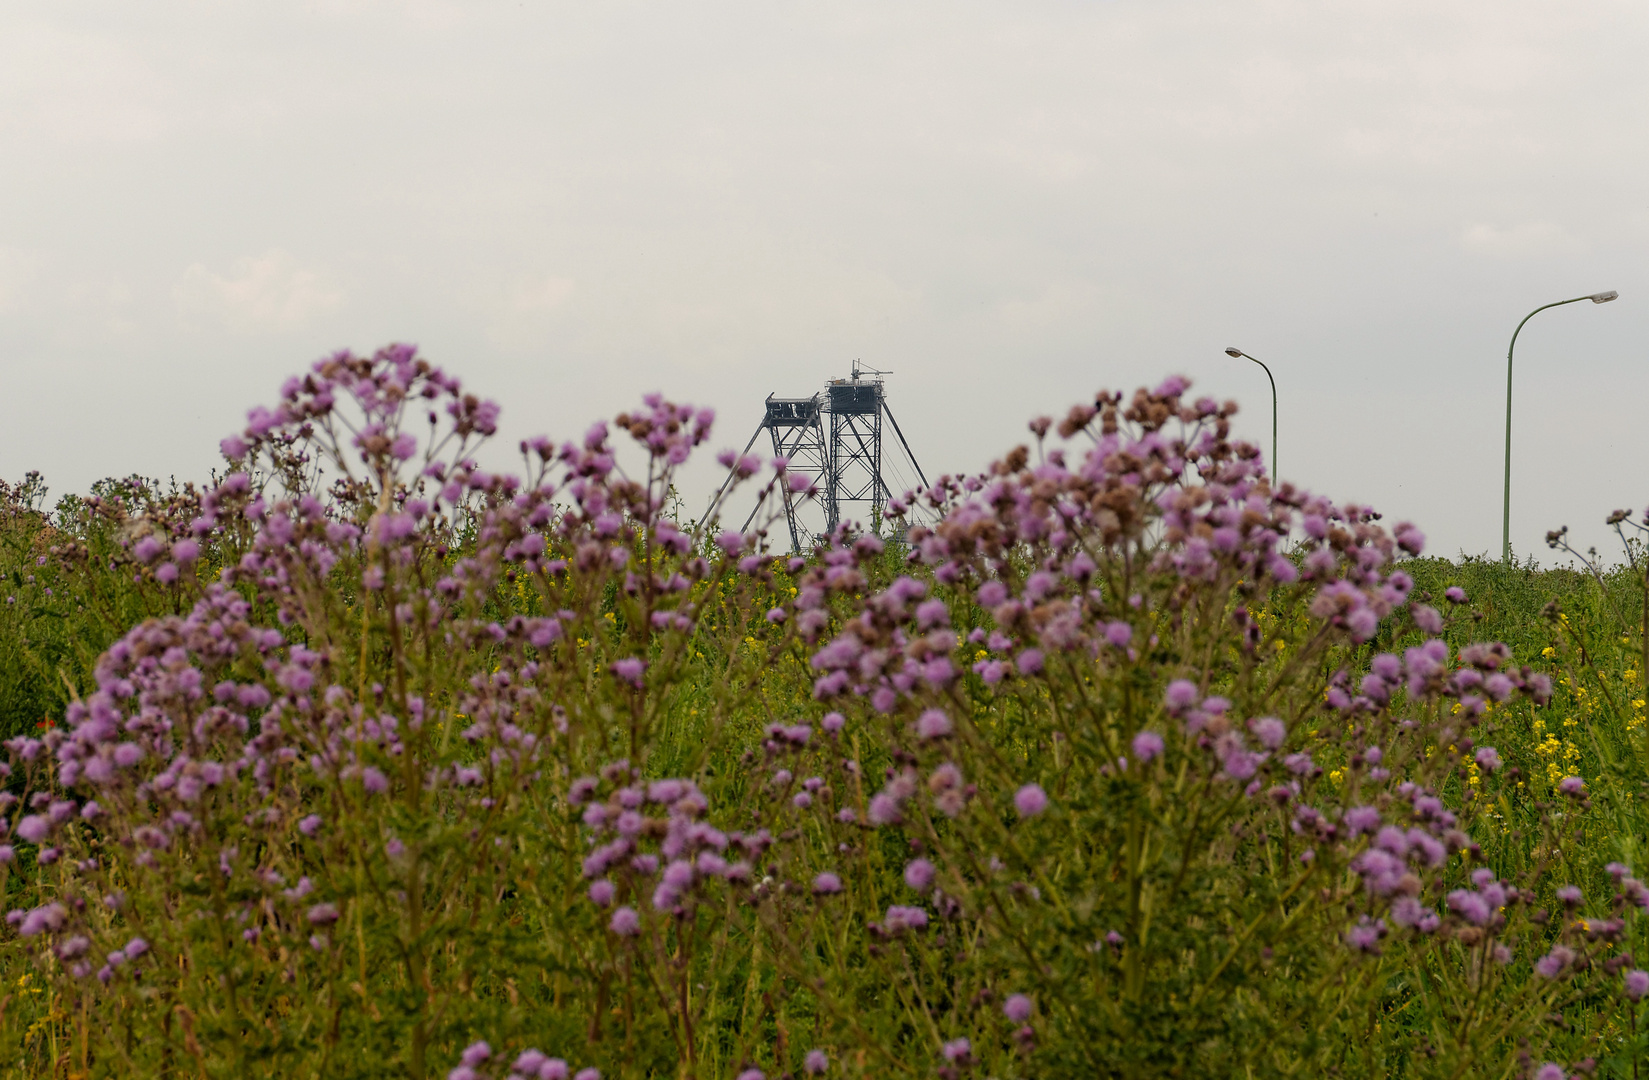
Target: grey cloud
1008,206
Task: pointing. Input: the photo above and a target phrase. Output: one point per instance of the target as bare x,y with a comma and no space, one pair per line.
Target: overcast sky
1007,205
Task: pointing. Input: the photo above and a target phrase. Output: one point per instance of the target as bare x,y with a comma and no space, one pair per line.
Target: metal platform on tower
835,438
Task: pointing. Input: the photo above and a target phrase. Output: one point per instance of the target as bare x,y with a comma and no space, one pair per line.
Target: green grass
61,605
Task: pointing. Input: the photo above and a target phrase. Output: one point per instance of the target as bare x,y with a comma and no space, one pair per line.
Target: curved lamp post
1506,502
1236,352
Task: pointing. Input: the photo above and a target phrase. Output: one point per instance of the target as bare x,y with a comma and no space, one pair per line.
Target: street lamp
1506,503
1236,352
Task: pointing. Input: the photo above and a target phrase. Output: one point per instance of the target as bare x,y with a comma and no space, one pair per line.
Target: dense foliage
362,761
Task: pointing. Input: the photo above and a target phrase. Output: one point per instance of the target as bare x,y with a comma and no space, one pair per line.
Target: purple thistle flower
591,1073
931,614
1427,618
1030,800
46,917
374,781
1427,848
933,724
1637,984
1555,962
919,875
1551,1071
323,914
1362,819
625,922
1239,764
833,722
1407,911
1455,594
1030,662
1365,936
1269,730
629,669
1039,585
883,810
815,1063
1487,758
553,1069
1147,746
1393,839
1572,786
665,791
1181,696
1017,1008
1569,895
1470,906
601,892
827,883
1382,871
957,1051
475,1054
752,1074
1362,622
900,918
310,825
34,828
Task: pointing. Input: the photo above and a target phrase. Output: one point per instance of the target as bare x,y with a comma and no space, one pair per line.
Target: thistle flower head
1030,800
1147,745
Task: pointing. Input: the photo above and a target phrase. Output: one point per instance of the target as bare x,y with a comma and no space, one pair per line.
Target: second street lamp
1233,351
1506,501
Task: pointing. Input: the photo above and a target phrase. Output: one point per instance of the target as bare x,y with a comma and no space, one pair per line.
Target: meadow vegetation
358,760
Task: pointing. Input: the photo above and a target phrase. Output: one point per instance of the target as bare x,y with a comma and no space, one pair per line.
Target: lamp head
1234,351
1604,297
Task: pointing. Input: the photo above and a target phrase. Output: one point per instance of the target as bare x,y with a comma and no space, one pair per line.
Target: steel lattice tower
798,434
855,474
835,439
